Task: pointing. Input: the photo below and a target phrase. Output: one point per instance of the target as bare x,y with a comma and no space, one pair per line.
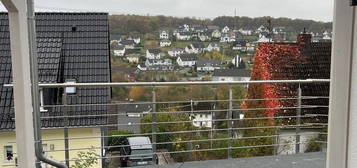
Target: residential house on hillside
279,34
208,65
130,114
195,48
216,34
187,60
135,38
228,37
153,54
236,61
164,34
165,43
118,50
129,44
327,35
245,32
133,58
158,62
213,47
198,28
174,52
185,36
226,29
231,75
261,29
114,38
204,36
240,46
264,38
62,57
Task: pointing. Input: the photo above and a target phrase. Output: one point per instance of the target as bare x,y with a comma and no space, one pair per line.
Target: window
42,103
9,153
70,90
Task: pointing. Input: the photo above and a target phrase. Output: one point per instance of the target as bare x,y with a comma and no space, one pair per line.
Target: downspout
35,90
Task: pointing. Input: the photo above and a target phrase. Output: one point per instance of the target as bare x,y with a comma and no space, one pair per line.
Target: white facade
213,47
202,120
216,34
185,63
164,34
230,78
225,29
119,53
183,36
150,55
208,68
158,62
246,32
264,39
165,43
175,52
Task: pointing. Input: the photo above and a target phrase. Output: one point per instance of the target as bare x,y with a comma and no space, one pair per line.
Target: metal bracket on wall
353,2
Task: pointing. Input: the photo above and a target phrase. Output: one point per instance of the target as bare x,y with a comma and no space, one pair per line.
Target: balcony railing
191,128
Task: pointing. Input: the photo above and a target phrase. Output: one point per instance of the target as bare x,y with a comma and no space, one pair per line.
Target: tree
86,159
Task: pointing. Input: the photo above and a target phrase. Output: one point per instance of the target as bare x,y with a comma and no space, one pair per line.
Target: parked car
138,151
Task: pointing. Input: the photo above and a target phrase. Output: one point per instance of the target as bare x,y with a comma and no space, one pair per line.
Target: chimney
304,38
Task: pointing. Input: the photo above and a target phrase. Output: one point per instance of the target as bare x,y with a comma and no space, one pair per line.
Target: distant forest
135,24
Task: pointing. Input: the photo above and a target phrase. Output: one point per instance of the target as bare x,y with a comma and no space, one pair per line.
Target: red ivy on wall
271,62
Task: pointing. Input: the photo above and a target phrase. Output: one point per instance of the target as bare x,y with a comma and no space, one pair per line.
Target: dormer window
70,90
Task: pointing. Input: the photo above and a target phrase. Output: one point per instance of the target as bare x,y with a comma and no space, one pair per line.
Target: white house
213,47
261,29
231,75
153,54
228,37
133,58
165,43
216,34
115,39
225,29
164,34
204,36
187,60
245,32
183,36
240,46
136,39
174,52
195,48
202,120
129,44
158,62
118,50
327,36
264,38
208,65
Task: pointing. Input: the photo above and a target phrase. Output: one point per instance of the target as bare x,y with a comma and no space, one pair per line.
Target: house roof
232,73
213,28
115,37
176,49
198,45
64,52
188,57
154,51
118,47
208,63
127,42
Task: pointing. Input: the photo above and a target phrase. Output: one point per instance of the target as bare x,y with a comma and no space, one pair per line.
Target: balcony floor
307,160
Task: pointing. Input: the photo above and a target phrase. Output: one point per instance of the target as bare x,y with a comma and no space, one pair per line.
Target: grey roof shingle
208,63
70,46
188,57
232,72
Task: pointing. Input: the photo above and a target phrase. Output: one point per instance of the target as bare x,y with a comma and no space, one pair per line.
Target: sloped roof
118,47
232,72
198,45
154,51
208,63
70,46
188,57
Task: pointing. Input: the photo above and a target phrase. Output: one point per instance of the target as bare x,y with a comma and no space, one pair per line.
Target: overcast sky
320,10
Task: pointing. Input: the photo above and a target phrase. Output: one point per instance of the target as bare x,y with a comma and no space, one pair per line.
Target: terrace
239,135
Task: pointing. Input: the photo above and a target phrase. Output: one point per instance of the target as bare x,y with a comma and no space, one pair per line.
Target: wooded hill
135,24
